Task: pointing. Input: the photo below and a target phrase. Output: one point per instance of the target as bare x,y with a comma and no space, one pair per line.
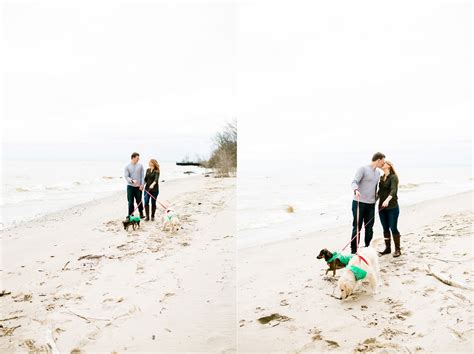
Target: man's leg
130,199
138,198
354,225
369,221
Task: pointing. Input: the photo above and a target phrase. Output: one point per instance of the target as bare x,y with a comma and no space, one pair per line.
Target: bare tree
224,157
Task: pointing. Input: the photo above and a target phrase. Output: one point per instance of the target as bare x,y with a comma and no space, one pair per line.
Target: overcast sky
101,75
315,80
322,80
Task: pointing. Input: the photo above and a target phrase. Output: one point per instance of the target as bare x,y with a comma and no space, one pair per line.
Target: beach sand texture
77,280
412,311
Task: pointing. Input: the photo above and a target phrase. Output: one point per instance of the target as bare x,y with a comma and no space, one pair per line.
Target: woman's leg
153,205
386,231
393,221
147,206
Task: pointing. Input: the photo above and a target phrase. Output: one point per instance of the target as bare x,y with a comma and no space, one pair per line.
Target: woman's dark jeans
366,217
134,193
153,200
389,220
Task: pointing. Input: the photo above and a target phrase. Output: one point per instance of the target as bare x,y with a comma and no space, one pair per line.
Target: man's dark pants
134,193
366,217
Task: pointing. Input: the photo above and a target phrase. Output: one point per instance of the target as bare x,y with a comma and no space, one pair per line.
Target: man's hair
135,154
378,156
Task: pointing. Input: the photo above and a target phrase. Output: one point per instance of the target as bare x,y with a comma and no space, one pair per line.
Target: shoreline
348,226
112,196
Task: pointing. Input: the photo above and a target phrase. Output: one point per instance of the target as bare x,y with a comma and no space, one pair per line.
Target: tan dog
170,221
364,265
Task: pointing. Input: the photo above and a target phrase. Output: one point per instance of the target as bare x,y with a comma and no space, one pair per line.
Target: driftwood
66,265
11,318
452,260
449,282
90,256
4,293
88,319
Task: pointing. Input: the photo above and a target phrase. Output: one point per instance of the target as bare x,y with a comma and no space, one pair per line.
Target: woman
388,208
151,187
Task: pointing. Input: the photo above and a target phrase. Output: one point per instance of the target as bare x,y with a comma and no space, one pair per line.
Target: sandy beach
77,281
412,311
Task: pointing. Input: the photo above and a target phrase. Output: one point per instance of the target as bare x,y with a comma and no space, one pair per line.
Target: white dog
364,265
170,221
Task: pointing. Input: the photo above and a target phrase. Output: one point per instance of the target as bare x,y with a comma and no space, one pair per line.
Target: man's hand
357,193
141,187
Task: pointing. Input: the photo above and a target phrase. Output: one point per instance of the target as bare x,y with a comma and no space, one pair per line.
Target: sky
103,78
320,81
332,82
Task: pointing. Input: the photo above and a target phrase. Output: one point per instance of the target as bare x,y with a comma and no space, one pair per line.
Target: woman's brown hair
392,169
155,164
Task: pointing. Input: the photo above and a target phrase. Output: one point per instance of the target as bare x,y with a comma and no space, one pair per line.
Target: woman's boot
396,240
153,209
388,248
147,212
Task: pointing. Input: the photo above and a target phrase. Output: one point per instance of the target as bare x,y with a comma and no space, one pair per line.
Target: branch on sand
455,261
90,256
449,282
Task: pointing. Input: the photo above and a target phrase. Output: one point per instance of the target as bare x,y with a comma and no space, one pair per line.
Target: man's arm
357,178
126,174
142,177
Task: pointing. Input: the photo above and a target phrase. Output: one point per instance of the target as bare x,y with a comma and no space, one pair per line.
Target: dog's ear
344,292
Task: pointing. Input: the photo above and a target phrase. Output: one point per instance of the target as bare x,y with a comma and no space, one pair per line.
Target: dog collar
363,259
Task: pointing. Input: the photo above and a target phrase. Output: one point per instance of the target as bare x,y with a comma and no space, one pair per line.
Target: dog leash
358,231
136,207
163,206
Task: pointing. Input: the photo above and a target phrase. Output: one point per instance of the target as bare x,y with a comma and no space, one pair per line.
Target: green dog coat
344,259
358,272
134,218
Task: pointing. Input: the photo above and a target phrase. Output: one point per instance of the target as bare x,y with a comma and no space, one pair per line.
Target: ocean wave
415,185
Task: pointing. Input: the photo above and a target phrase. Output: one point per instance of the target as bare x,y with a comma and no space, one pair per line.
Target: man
364,186
135,176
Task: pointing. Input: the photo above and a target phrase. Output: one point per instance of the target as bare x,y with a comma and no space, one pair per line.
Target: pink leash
163,206
358,231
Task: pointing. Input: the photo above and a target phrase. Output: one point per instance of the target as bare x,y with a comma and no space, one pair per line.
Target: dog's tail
375,242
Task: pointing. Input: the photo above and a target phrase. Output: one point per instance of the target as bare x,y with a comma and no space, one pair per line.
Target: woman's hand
151,185
386,201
